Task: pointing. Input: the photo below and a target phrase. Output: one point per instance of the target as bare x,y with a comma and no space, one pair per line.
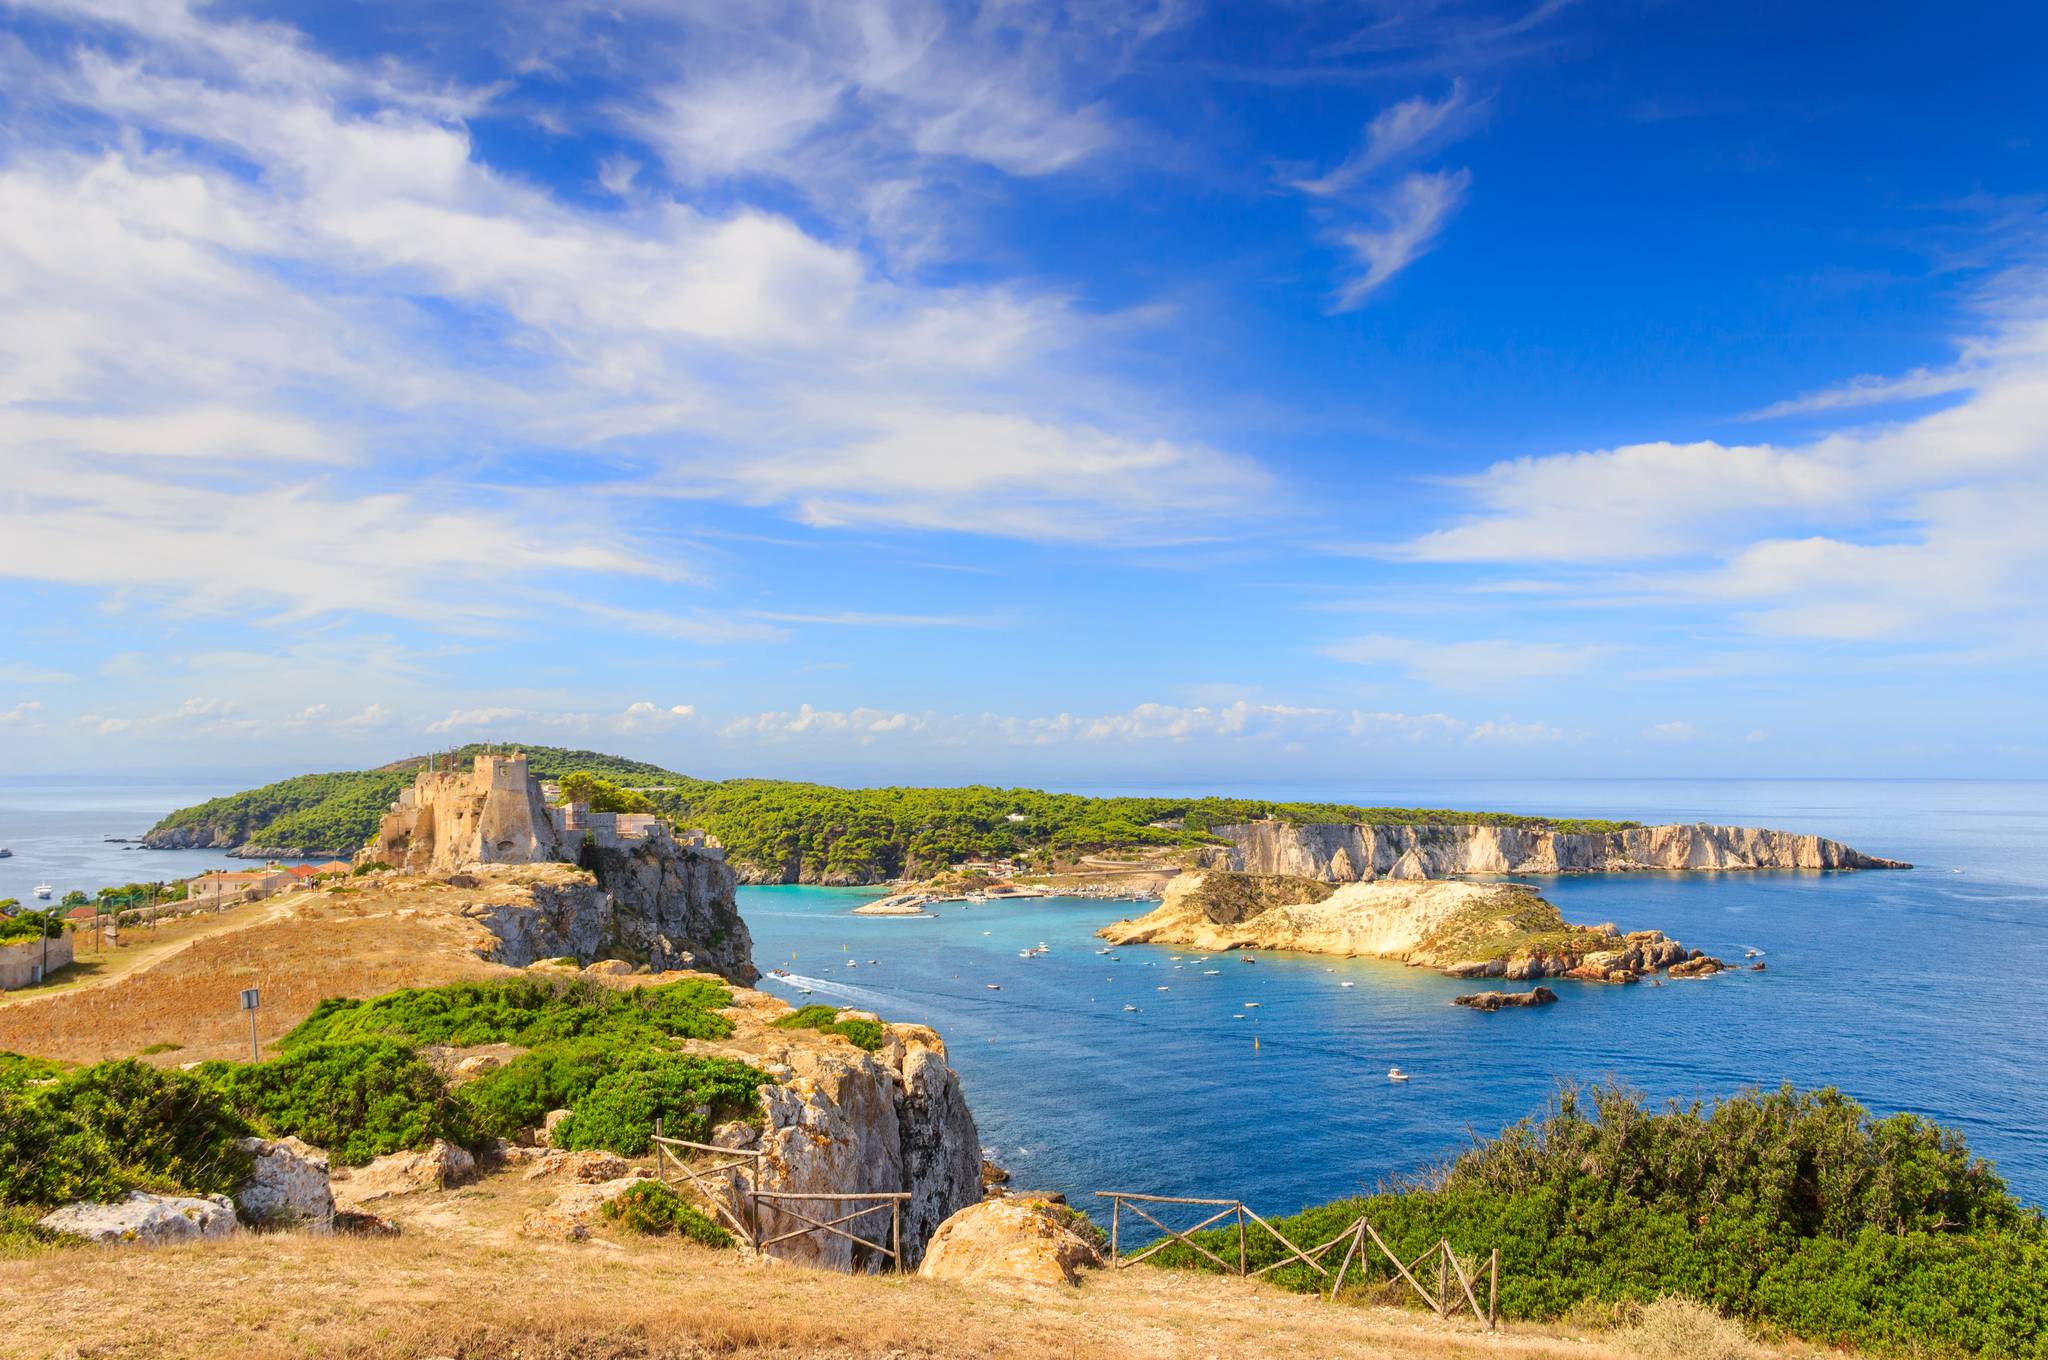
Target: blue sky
1107,392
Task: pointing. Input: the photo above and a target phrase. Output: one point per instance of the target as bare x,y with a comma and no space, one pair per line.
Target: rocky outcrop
146,1219
435,1167
289,1186
1350,853
1494,1001
1501,930
661,905
576,1209
1017,1240
836,1120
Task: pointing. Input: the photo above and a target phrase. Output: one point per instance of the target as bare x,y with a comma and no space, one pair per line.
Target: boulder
1493,1001
1011,1240
570,1217
1699,965
288,1186
405,1173
549,1122
590,1166
150,1220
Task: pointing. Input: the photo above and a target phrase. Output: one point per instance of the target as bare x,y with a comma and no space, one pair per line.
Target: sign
251,998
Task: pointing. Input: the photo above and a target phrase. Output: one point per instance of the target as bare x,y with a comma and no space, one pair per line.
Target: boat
1347,984
1130,1008
1396,1074
853,963
1162,989
5,853
1212,972
1253,1005
43,890
994,987
778,972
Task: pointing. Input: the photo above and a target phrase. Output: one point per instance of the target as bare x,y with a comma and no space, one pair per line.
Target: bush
101,1131
652,1208
527,1012
555,1076
357,1099
1673,1328
1795,1211
865,1034
689,1094
17,1070
30,925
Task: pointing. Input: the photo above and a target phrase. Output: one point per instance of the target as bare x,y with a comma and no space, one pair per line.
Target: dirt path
103,967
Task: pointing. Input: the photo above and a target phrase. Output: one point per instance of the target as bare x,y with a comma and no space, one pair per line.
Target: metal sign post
252,998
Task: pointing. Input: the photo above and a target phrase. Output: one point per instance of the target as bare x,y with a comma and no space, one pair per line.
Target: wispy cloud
1478,664
1411,216
1396,133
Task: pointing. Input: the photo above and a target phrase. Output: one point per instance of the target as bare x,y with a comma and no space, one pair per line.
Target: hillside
338,811
777,831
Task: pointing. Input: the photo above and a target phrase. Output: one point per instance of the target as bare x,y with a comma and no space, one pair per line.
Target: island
1460,929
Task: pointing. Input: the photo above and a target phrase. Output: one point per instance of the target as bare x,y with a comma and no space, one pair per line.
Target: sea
1263,1077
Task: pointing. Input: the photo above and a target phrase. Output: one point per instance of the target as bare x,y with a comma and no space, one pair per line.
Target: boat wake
797,982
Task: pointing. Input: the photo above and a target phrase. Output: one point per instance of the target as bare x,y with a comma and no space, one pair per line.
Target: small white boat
1238,1016
43,890
1212,972
1130,1008
1347,984
1162,989
1396,1074
852,963
1253,1005
992,986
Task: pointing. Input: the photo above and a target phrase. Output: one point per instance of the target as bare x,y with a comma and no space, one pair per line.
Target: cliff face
666,906
1344,853
1462,929
836,1120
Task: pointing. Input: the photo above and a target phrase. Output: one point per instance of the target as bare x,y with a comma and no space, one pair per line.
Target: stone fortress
498,813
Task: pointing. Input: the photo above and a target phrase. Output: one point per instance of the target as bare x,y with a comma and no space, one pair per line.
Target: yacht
1130,1008
5,853
43,890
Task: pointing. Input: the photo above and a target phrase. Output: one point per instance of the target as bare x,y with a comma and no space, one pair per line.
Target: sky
1123,391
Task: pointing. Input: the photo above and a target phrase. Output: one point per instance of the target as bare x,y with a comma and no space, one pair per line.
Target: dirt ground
460,1282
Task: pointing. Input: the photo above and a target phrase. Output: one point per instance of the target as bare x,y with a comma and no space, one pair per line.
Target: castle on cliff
495,813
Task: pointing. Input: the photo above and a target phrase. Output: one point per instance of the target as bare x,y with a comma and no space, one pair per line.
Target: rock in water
1493,1001
147,1219
1013,1240
288,1186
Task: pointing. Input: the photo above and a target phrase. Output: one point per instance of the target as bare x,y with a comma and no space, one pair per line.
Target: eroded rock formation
1347,853
1502,930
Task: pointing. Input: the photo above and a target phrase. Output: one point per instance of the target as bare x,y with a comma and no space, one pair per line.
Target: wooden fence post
1493,1290
1241,1263
1116,1208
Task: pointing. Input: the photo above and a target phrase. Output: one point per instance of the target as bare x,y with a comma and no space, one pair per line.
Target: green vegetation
100,1131
603,795
776,827
18,1071
1796,1211
357,1099
523,1012
690,1095
31,925
652,1208
865,1034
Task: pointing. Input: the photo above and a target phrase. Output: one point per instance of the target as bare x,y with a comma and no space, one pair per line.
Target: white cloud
22,714
1411,215
1507,732
1676,730
1395,134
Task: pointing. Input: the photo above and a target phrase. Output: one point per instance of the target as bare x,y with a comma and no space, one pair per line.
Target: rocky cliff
1461,929
663,906
1346,853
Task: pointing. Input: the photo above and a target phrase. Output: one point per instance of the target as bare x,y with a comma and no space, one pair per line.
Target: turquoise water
1918,990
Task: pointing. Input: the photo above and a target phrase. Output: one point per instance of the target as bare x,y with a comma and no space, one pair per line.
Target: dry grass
268,1298
299,950
1678,1329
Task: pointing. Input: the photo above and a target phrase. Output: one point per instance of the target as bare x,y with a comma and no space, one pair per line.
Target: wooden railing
1442,1301
731,1187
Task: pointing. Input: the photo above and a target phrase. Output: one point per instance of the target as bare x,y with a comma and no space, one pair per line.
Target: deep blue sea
1920,990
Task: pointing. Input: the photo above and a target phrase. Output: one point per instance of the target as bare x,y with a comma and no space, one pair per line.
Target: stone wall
18,962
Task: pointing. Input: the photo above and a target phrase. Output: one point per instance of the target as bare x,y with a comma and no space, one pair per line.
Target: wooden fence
1355,1236
730,1186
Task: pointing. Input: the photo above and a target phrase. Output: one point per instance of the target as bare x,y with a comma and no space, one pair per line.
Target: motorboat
5,853
1396,1074
992,986
1130,1008
1253,1005
1212,972
43,890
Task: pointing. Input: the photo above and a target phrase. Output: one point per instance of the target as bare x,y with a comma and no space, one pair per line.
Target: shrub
552,1077
865,1034
1673,1328
689,1094
30,925
357,1099
526,1011
652,1208
103,1130
18,1070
